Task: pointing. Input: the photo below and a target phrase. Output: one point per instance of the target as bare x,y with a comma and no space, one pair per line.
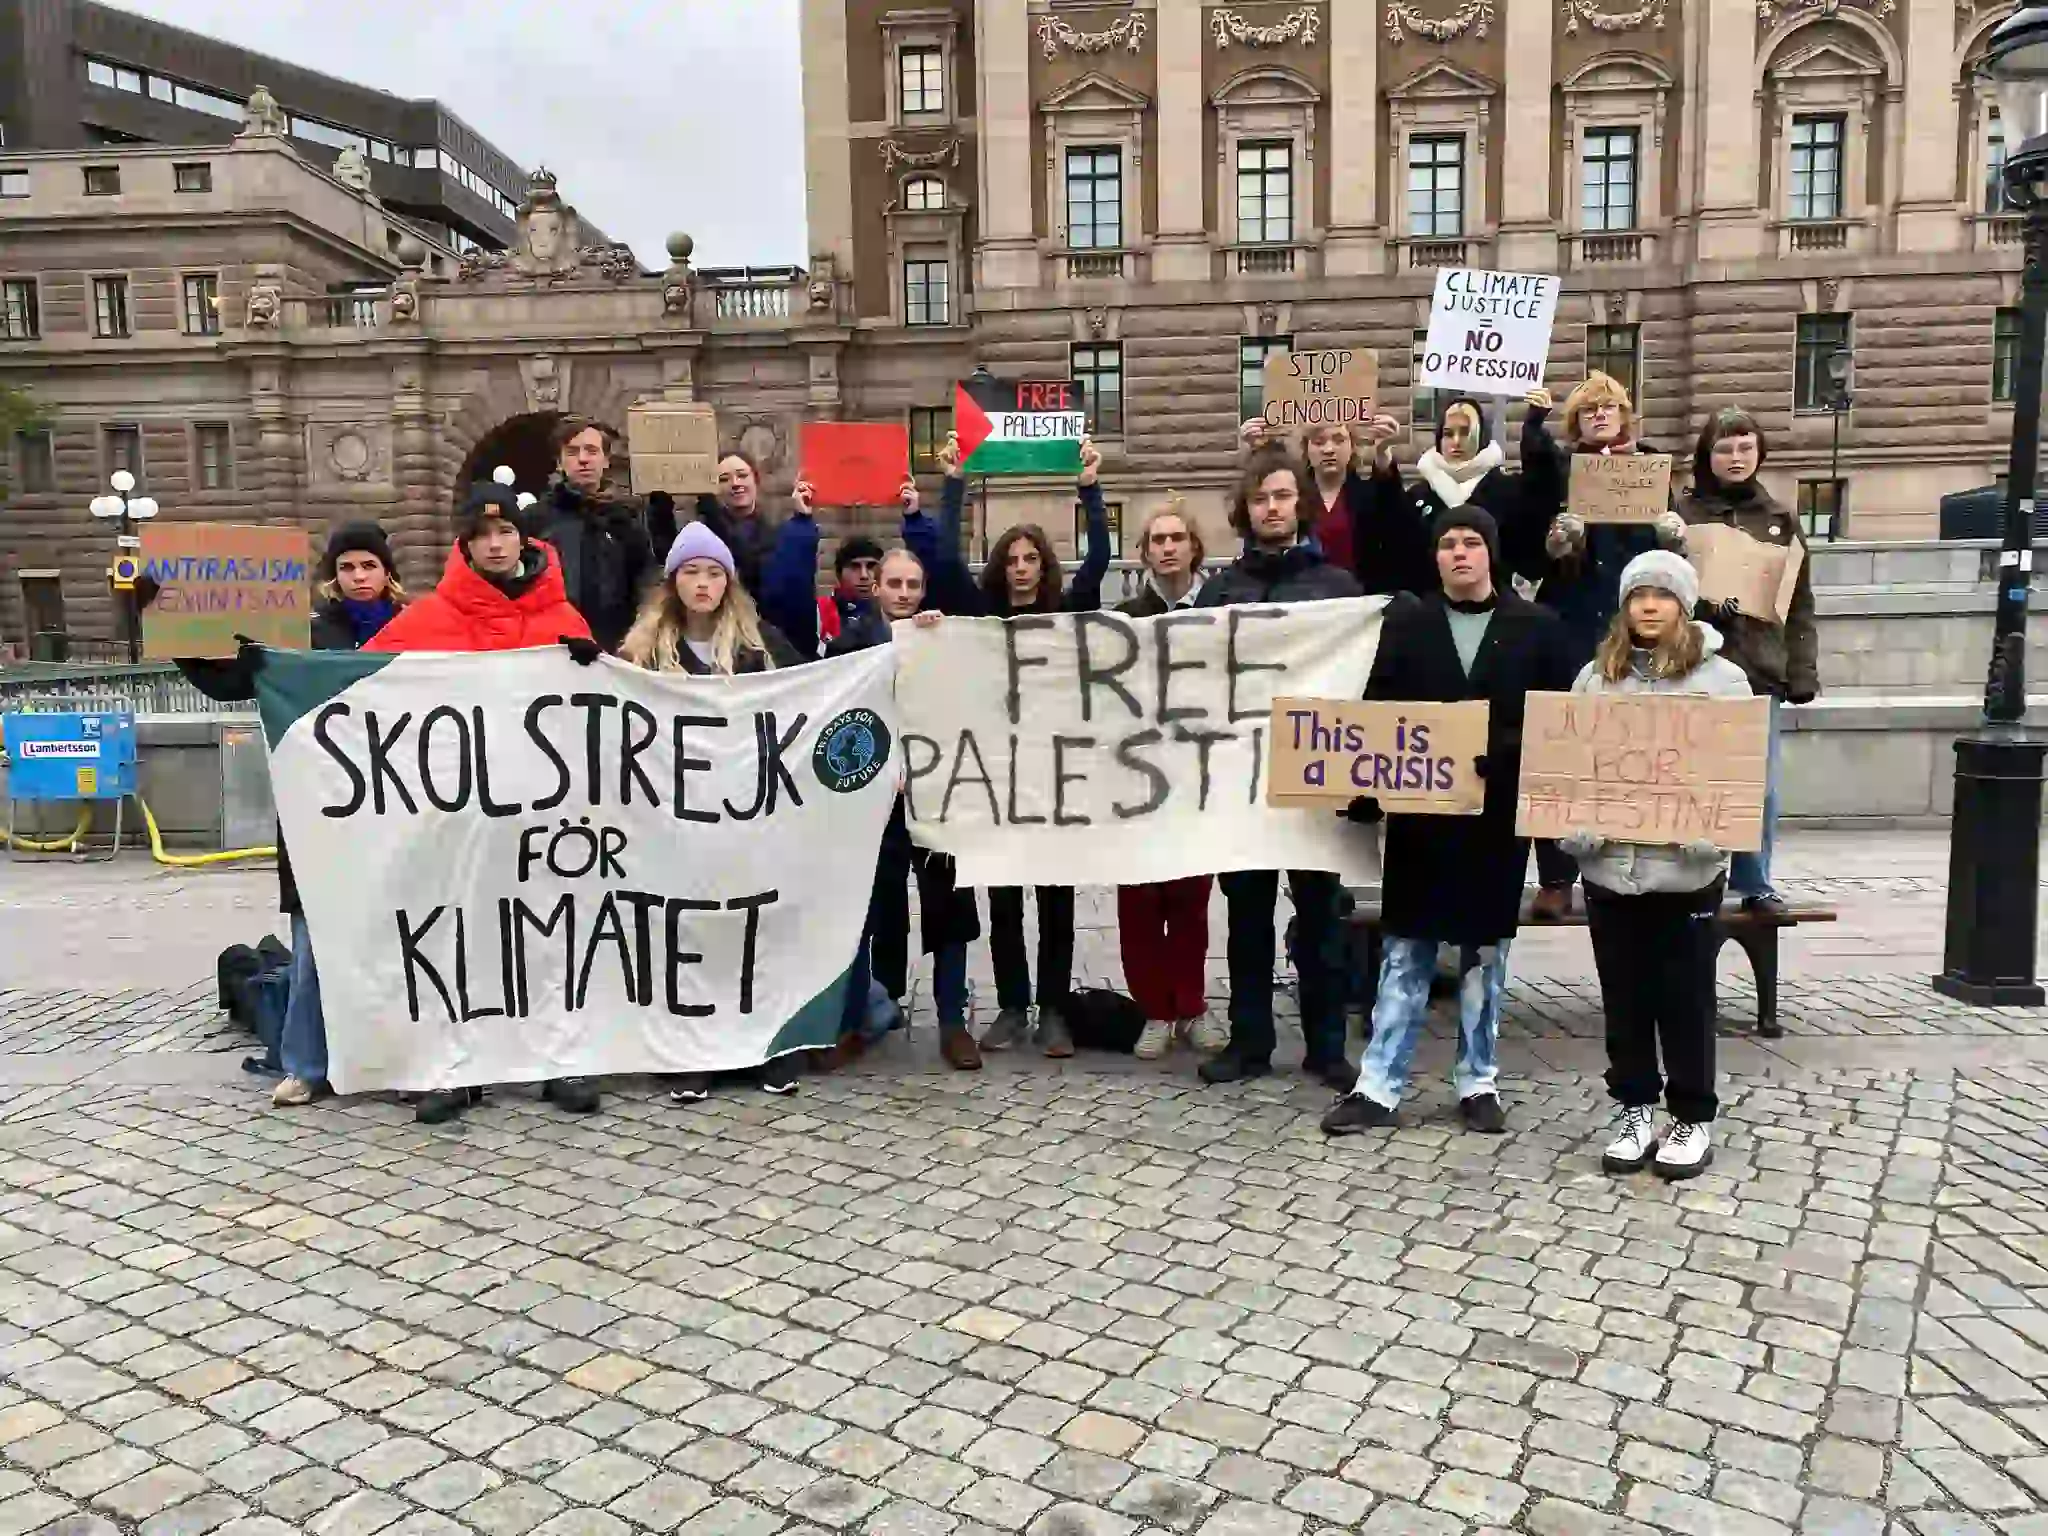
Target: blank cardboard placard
1620,487
674,448
1329,387
854,463
1759,575
1413,758
1645,768
219,580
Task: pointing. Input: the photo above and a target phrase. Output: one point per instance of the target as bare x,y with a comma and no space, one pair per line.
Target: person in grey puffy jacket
1651,907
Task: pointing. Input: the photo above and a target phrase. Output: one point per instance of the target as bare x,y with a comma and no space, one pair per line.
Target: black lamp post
1841,367
130,510
1995,838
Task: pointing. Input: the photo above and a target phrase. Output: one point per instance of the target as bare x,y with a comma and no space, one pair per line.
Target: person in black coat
602,542
1281,563
1466,467
1454,879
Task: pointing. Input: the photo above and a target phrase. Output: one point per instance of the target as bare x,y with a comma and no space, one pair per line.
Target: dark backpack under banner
1103,1020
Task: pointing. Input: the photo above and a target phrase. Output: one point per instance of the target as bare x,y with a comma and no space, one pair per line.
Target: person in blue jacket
847,618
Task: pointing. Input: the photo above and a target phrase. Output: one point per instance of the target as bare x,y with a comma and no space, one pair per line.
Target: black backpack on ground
1104,1020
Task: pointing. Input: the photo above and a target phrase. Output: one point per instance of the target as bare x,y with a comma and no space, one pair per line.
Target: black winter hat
353,538
855,549
1477,409
488,499
1479,520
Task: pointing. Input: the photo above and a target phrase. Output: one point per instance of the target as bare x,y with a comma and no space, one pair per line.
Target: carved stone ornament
894,154
352,170
546,381
1098,323
1269,318
266,300
548,245
1649,15
1055,34
1830,289
1300,26
1617,308
1474,16
340,453
1770,12
262,118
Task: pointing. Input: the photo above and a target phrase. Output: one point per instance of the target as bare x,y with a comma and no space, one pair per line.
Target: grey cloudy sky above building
683,114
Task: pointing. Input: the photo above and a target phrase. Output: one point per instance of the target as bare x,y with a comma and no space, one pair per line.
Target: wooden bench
1755,932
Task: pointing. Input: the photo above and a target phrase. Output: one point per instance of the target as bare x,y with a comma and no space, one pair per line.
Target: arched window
924,194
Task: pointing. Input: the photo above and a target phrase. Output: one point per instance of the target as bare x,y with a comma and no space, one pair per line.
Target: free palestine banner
515,868
1094,749
1027,428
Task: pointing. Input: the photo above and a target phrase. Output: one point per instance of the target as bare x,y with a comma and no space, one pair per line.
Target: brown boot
958,1047
849,1050
1553,904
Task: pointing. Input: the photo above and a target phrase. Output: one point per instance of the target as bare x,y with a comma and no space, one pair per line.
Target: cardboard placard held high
1620,487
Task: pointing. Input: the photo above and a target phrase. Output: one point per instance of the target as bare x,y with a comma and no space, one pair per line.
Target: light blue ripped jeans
1408,967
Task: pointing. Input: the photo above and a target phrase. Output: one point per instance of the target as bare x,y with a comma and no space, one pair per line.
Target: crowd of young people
1614,609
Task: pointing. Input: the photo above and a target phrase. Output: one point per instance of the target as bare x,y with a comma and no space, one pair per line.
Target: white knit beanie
1666,570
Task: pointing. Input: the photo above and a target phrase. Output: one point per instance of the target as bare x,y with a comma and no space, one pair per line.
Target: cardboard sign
219,580
674,448
1489,332
1645,768
1331,387
1412,758
854,463
1620,487
1760,576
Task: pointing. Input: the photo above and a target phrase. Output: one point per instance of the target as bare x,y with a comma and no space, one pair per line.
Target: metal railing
149,688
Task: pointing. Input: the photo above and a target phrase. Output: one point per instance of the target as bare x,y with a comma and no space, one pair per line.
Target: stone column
828,176
1526,146
1356,241
1007,255
1181,244
1730,226
1927,179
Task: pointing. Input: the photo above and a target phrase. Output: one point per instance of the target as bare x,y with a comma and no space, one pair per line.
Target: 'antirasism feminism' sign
515,868
1094,749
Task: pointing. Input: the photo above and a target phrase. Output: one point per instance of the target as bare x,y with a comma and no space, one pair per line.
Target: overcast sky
686,114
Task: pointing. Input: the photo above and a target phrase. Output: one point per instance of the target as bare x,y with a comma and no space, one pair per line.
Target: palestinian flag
1020,428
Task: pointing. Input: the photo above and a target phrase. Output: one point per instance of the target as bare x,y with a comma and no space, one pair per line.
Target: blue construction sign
69,756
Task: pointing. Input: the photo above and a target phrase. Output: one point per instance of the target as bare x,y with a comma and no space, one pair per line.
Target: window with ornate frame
1440,102
922,46
1265,165
1614,110
1094,156
1821,93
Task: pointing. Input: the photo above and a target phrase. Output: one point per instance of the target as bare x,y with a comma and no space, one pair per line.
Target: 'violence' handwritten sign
1620,487
1645,768
1331,387
1413,758
219,580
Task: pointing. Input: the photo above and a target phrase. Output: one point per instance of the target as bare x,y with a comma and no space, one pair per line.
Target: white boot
1631,1149
1208,1034
1153,1039
1686,1150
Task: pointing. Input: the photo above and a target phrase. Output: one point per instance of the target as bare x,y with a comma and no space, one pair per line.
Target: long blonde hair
656,639
1681,649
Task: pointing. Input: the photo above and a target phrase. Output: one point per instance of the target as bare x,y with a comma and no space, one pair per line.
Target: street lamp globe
121,481
105,506
2016,63
142,508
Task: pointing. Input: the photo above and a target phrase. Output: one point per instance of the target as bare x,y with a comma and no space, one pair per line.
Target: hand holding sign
1417,759
1489,332
853,464
1331,387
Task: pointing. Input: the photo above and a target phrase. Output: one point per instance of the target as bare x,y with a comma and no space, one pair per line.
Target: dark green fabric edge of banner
815,1026
292,684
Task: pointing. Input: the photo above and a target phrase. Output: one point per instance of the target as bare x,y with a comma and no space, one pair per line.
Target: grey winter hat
1666,570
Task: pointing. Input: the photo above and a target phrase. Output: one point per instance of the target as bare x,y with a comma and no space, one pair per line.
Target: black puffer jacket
607,557
751,539
1296,575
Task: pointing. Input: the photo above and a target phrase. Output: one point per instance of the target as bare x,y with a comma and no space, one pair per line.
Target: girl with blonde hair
700,619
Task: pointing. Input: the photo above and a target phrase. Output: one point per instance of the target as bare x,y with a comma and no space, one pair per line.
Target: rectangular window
13,183
110,306
160,88
1095,199
927,299
122,449
42,603
1995,199
1614,350
97,73
1252,352
194,178
929,425
20,316
103,181
922,79
202,304
1113,512
1098,367
1436,186
194,100
1821,509
1819,338
1608,180
1422,407
37,461
214,453
2005,355
1817,167
1265,194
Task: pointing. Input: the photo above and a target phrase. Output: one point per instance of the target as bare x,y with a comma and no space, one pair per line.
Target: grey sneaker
1054,1038
1012,1027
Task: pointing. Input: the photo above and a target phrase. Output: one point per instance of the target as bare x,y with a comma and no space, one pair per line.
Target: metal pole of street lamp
129,510
1840,365
1988,953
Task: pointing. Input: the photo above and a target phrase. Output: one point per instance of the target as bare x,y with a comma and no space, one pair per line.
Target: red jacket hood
467,613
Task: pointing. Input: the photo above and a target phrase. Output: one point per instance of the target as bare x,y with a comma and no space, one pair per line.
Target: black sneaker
1766,904
1230,1067
779,1076
690,1088
440,1108
1483,1113
1339,1075
1355,1112
576,1095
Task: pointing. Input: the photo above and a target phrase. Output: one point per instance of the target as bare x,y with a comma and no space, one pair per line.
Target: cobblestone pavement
1083,1299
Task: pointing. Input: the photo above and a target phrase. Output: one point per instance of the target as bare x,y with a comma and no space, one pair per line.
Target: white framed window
1441,119
20,313
1609,169
921,80
1823,99
1266,168
927,290
202,304
924,194
1095,198
1996,199
110,306
1815,191
1265,193
1436,185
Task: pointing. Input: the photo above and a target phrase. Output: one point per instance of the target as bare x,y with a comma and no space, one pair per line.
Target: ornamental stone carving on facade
262,117
1474,16
1577,11
547,245
266,302
1302,26
1771,12
1055,34
894,154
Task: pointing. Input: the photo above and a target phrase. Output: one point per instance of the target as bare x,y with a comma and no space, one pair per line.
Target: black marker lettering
540,739
1093,676
357,788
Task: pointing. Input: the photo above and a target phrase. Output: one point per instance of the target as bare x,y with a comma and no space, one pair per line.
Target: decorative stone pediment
1095,92
1615,72
1266,86
1443,81
1829,60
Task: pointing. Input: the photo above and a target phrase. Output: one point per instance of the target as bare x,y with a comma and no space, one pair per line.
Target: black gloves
661,502
1364,811
146,589
1801,696
582,650
1479,765
1726,611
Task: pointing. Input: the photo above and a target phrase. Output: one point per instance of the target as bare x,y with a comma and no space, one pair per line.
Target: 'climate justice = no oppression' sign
1489,332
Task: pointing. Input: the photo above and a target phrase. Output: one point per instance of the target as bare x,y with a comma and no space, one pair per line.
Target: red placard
854,463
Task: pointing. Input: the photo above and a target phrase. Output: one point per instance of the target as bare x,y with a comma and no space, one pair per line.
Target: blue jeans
302,1048
949,990
1403,1004
1749,874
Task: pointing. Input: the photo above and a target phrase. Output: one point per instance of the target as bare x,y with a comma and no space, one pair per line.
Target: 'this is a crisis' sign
1021,428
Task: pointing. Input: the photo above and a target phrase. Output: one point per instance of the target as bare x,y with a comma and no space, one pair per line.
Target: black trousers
1055,946
1555,869
1655,954
1250,895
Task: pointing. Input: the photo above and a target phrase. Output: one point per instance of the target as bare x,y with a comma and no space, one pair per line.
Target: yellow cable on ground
51,845
190,860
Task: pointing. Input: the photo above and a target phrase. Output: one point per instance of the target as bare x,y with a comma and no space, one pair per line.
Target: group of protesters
726,589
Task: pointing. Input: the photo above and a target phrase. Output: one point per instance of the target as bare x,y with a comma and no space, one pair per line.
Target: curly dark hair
1258,464
995,579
